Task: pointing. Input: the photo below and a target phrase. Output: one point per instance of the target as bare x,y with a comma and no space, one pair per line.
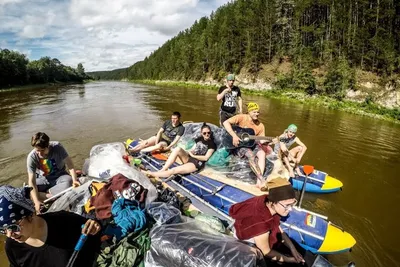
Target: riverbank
41,85
360,108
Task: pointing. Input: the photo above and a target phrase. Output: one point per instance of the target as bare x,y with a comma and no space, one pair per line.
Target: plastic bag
73,200
186,244
163,213
106,161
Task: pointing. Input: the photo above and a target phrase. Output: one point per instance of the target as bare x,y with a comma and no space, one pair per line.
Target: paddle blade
308,169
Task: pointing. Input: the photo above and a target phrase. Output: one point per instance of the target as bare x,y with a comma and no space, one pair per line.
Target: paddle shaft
303,189
78,247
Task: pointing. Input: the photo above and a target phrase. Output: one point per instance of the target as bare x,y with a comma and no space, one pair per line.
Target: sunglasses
206,133
13,228
288,206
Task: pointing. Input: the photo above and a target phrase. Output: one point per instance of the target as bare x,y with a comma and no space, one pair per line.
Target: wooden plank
212,174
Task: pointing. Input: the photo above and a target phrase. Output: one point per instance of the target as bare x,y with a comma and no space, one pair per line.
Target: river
364,153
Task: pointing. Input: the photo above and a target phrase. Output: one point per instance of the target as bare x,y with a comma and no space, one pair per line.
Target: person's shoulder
32,154
235,87
55,144
59,215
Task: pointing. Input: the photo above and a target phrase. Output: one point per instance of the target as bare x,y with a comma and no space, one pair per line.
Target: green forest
17,70
334,37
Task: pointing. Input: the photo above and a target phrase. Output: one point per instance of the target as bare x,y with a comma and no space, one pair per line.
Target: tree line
336,36
16,69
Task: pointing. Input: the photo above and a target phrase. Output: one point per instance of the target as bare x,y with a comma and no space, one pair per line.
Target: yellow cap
252,106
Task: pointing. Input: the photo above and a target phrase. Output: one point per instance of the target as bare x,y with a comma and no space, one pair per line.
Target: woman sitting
192,160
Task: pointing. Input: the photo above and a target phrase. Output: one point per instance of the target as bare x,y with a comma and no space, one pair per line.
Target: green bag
219,158
129,252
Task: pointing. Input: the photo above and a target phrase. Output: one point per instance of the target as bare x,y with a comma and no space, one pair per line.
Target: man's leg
146,143
223,116
254,167
43,186
152,148
63,182
295,152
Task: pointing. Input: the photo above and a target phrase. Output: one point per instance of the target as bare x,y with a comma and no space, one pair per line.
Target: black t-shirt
64,230
171,132
229,100
202,146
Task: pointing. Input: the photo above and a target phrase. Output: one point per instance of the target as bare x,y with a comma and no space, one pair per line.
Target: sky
100,34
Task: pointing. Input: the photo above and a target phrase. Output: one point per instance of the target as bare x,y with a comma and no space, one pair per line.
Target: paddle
307,169
78,247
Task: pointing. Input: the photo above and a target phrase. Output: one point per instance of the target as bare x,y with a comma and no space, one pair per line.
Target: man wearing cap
286,140
249,120
229,94
46,240
257,220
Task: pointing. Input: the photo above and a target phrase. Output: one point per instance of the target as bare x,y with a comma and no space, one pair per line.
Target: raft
317,182
311,230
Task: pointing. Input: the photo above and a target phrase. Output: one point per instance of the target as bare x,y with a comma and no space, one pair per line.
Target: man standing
229,94
46,169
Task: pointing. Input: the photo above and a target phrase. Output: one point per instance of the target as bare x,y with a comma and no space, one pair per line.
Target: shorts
198,163
54,186
223,116
164,140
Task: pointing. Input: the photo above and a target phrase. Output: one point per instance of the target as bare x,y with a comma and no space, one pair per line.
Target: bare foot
291,173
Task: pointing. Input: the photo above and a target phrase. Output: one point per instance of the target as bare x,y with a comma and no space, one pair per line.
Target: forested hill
16,70
325,42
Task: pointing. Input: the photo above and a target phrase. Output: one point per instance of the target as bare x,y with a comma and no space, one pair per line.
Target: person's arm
202,158
31,168
34,192
289,244
240,104
72,172
176,140
222,92
158,136
297,140
262,242
228,127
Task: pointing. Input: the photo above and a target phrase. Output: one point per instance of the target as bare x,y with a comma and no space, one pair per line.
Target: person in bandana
45,240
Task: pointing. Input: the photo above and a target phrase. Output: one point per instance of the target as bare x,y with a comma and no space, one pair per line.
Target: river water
363,153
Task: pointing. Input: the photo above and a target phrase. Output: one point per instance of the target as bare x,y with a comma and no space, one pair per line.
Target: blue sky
102,34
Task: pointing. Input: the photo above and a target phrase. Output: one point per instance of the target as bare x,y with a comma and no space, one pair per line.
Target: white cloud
104,34
4,2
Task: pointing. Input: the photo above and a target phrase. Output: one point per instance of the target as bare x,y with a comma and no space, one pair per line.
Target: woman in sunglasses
46,240
192,160
257,220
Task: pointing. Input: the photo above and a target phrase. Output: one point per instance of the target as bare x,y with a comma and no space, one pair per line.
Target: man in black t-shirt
229,94
168,135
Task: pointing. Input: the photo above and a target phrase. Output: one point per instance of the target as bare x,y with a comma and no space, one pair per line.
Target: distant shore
365,109
40,85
